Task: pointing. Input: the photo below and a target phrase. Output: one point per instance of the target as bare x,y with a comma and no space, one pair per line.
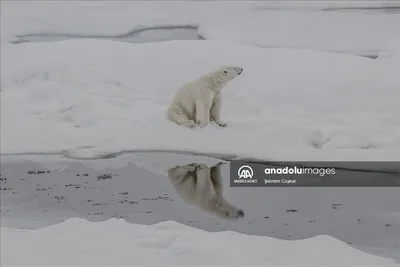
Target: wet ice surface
44,192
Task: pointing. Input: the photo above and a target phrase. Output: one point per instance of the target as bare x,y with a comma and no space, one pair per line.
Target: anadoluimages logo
245,172
245,175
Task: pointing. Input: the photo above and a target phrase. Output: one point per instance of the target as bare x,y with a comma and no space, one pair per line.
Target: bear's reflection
201,186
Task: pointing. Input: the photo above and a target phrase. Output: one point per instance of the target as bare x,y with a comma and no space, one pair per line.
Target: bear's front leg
203,183
202,114
220,123
215,112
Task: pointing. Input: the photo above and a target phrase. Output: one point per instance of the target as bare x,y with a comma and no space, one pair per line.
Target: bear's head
217,79
229,73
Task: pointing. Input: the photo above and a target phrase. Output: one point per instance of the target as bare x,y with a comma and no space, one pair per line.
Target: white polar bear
199,102
201,186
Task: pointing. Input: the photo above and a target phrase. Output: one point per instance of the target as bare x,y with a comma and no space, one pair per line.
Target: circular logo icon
245,172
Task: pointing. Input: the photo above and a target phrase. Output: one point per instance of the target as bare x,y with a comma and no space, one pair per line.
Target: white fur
201,186
199,102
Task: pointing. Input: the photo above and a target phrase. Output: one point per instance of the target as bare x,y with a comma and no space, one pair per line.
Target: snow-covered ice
117,243
89,97
93,97
292,24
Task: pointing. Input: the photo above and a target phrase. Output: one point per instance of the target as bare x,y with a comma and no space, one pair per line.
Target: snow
336,31
118,243
86,97
391,51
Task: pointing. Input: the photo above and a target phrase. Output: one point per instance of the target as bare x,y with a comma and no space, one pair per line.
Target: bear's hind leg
178,116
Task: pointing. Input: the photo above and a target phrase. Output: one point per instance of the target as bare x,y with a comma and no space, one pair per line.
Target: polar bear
201,186
199,102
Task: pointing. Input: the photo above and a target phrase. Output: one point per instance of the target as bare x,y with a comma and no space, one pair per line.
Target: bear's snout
239,71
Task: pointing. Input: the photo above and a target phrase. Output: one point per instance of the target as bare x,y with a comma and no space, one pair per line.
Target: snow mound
392,50
116,243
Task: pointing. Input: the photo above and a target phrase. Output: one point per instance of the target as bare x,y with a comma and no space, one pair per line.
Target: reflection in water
201,186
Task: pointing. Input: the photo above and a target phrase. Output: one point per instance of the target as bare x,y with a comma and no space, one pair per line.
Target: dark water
140,189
